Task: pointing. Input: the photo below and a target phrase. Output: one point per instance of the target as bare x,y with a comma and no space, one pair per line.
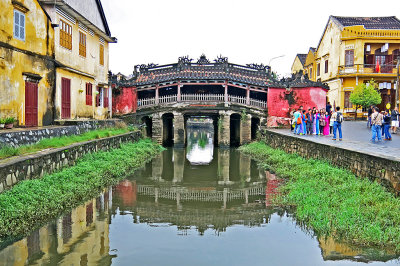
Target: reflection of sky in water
200,146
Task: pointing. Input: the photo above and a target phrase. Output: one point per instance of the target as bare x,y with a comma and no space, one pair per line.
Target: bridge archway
235,129
147,121
255,124
168,129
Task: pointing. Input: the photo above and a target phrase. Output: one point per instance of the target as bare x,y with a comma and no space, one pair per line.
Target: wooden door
65,98
31,104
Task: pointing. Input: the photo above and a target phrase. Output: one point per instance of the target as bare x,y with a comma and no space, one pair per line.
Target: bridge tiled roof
203,70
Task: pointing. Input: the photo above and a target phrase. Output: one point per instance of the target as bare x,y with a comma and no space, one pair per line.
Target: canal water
195,206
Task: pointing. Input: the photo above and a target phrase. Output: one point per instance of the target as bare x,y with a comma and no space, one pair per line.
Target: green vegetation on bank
333,201
33,202
58,142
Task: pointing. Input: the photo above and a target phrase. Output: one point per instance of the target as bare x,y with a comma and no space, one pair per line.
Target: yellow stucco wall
297,65
33,55
309,65
90,66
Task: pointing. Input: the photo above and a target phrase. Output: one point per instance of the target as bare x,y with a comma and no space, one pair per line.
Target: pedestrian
395,120
376,122
292,122
297,121
387,121
310,122
337,123
328,108
369,116
321,122
315,122
327,121
331,120
303,124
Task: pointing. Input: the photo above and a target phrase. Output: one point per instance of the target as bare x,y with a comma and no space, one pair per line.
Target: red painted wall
125,102
280,101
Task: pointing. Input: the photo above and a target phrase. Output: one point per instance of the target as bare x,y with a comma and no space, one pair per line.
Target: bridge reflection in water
219,190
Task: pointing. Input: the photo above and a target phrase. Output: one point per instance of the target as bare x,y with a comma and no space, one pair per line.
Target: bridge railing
202,97
145,102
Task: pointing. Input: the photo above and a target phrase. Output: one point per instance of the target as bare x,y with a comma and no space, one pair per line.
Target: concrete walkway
356,137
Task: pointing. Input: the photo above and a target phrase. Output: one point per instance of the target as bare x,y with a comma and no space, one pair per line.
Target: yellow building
81,44
26,63
298,63
354,50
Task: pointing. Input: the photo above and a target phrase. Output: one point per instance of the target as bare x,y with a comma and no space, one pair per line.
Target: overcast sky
245,31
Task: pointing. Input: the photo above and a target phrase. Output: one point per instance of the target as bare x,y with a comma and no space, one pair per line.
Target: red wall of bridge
125,102
281,102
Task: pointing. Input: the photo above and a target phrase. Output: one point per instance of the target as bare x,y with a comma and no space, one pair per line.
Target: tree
365,95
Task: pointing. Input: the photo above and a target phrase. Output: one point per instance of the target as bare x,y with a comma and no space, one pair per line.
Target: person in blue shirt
296,120
304,120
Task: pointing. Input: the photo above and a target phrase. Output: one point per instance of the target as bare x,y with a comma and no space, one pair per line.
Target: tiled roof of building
370,22
302,58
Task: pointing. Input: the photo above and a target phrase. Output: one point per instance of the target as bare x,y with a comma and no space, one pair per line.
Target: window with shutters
101,56
318,69
82,44
89,94
65,35
347,103
19,25
98,96
349,58
105,97
326,66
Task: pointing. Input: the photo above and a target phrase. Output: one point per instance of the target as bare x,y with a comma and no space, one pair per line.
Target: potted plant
2,122
9,122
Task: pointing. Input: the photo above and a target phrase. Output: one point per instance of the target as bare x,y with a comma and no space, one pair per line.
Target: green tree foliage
365,95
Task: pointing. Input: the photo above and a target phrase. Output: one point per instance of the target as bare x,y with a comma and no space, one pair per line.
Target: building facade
354,50
298,63
81,43
27,73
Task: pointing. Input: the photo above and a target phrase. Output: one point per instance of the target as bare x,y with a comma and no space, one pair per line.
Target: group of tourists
382,123
317,122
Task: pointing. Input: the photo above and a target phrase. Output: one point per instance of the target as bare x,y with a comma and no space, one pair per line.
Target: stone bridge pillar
157,168
179,164
224,129
157,128
244,167
179,130
223,166
245,129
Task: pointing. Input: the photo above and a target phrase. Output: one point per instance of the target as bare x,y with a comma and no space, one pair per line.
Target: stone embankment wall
26,137
385,170
36,165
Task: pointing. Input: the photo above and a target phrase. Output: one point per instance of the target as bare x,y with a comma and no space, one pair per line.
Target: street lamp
269,63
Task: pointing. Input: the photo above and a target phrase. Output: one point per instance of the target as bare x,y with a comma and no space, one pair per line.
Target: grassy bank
333,201
58,142
33,202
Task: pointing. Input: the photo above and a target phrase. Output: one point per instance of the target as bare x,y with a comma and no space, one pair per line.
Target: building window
89,94
347,103
19,25
349,58
326,66
318,69
310,77
82,44
99,96
105,97
65,35
102,54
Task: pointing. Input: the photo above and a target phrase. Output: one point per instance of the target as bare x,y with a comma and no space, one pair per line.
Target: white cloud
251,31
